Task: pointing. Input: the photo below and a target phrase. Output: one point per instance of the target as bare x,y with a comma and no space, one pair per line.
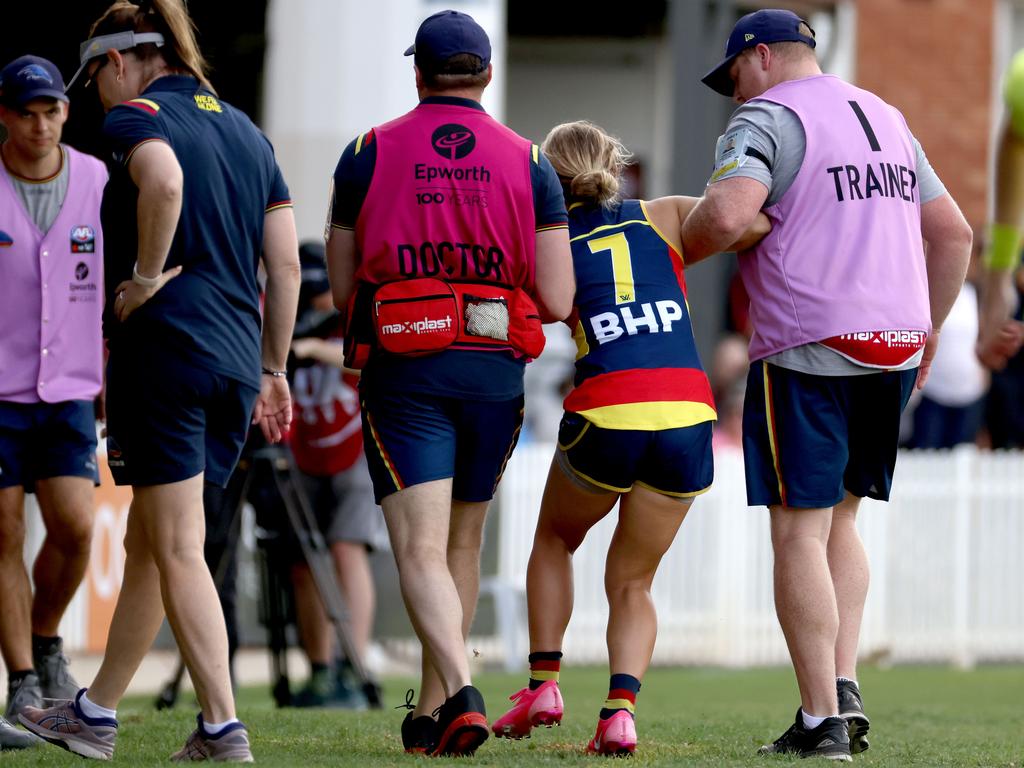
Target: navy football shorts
44,440
673,462
168,419
807,439
414,437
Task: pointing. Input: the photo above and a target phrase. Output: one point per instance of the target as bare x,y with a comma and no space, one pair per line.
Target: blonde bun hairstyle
588,160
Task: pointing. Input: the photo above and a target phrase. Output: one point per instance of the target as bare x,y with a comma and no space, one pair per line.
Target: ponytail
588,160
168,17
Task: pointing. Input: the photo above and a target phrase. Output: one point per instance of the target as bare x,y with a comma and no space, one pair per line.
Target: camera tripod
276,463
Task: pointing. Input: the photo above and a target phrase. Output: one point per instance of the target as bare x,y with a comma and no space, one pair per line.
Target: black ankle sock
43,645
14,678
316,666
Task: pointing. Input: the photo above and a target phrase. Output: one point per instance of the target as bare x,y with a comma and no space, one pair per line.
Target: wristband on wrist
275,374
1004,247
145,282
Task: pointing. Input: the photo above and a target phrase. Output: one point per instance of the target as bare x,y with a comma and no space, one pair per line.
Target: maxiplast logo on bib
424,326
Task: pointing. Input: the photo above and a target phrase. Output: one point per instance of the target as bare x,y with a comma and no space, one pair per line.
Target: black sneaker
419,734
461,724
851,709
829,740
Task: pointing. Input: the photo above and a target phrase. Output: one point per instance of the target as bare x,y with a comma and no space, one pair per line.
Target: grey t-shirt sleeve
929,185
754,136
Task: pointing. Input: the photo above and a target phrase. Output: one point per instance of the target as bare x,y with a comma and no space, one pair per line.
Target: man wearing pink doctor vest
51,358
848,294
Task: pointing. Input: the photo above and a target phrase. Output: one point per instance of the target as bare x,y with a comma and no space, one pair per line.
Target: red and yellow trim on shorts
385,457
511,447
769,409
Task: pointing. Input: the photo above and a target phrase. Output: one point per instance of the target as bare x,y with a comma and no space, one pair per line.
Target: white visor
119,41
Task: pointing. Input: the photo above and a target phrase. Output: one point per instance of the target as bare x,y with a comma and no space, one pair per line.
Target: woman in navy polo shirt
195,196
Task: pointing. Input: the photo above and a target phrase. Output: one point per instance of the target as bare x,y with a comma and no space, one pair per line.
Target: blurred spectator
1001,331
51,370
952,402
728,377
327,443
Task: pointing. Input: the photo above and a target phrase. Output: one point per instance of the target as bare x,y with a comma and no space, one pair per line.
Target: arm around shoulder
729,207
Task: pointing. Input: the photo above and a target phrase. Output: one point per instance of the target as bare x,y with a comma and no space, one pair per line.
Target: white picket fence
946,561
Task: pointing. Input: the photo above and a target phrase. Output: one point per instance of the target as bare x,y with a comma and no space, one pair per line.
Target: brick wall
933,60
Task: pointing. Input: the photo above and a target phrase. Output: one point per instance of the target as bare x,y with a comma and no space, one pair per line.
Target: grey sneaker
25,693
67,726
14,738
54,678
229,746
851,709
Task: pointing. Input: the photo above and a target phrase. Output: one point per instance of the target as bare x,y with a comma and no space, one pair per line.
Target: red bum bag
423,316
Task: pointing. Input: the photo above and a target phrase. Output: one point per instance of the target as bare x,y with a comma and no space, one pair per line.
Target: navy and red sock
544,666
622,691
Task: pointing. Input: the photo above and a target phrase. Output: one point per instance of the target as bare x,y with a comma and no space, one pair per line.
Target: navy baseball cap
30,77
447,34
771,25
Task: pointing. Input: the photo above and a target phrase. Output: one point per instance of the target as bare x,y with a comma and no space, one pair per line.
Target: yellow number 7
622,266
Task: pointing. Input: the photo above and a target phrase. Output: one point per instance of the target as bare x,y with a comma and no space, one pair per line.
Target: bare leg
418,523
314,628
567,512
136,620
352,566
16,595
806,604
172,515
848,564
648,523
66,504
465,538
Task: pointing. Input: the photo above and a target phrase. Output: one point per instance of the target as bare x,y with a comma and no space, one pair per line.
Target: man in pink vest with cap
448,239
51,370
846,304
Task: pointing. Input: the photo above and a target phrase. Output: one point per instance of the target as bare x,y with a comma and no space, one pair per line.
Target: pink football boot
542,706
615,736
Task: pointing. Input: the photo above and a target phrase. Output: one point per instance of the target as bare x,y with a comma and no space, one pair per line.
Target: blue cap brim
40,93
410,50
718,78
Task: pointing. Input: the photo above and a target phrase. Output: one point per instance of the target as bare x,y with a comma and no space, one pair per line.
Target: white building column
334,69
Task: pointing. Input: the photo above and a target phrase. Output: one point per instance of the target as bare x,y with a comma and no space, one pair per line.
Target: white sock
91,709
810,721
846,680
214,729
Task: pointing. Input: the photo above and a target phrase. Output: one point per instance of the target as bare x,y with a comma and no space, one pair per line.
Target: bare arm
341,265
947,239
999,337
156,172
670,213
728,208
273,410
555,282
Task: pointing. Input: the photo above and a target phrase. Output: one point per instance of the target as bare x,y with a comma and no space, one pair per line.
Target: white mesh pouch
487,317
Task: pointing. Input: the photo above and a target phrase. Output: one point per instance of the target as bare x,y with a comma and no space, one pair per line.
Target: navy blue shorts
808,438
672,462
169,419
43,440
414,437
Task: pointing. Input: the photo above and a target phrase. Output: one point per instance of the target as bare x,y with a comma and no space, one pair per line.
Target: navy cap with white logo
771,25
30,77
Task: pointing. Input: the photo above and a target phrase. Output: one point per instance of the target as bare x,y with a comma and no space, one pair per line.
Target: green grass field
921,716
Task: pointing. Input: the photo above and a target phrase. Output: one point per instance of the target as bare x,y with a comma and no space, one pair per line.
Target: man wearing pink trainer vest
848,293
